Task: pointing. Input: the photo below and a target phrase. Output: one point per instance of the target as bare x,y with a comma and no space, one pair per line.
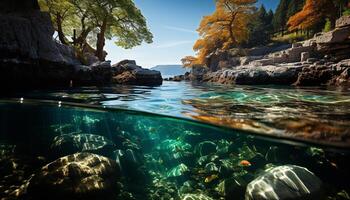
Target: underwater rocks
195,197
206,148
67,144
77,176
127,72
285,182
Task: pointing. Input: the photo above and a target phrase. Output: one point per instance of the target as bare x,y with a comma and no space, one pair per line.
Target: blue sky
173,24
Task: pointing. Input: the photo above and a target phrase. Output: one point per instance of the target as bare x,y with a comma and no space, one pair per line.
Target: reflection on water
56,151
313,113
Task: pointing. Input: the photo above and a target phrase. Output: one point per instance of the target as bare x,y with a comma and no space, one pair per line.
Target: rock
342,22
285,182
295,45
247,59
304,56
343,79
211,167
77,176
198,72
127,72
148,77
337,35
29,55
179,170
206,148
231,188
314,76
67,144
195,197
11,6
124,62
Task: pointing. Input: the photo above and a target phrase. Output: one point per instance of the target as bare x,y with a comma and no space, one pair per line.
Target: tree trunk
61,35
234,41
81,39
101,41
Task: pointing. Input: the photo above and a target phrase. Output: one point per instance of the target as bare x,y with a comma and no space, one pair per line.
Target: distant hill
170,70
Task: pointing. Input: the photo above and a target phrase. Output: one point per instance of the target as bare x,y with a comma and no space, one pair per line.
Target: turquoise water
58,150
315,114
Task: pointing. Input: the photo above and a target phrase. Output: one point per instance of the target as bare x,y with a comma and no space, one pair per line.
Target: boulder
285,182
127,72
78,176
343,79
342,22
337,35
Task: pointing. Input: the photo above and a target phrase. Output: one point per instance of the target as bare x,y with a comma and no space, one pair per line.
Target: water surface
316,114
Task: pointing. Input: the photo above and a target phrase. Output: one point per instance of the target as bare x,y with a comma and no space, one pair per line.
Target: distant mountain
171,70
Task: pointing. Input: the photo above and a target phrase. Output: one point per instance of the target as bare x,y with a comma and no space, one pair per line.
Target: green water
136,155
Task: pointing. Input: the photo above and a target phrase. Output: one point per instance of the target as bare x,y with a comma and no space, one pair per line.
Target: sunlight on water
312,113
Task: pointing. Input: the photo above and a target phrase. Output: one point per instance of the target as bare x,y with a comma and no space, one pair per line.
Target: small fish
210,178
245,163
334,165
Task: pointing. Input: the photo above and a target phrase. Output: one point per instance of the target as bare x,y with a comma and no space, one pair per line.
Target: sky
173,24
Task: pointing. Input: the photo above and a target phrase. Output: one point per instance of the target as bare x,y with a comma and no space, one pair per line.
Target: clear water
55,150
318,115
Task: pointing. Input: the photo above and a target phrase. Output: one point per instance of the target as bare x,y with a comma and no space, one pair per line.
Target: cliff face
29,57
10,6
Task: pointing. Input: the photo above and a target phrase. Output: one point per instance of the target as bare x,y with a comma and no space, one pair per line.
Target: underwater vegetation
66,152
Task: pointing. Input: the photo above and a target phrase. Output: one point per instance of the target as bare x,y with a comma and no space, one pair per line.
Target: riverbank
322,60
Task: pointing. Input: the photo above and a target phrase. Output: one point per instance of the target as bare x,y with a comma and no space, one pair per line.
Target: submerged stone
77,176
179,170
211,167
231,188
285,182
206,148
196,197
68,144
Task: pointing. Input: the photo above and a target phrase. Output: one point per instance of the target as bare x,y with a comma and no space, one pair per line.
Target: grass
290,37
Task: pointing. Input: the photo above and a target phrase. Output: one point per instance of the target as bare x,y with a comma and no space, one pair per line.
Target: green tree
280,17
119,20
260,28
62,15
327,26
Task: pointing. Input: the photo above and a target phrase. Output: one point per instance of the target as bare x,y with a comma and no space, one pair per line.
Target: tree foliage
261,28
225,28
119,20
315,12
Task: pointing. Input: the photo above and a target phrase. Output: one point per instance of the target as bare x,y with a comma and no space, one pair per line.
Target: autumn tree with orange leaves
227,27
315,12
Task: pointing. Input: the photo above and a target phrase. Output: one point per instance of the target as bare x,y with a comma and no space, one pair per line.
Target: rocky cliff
29,57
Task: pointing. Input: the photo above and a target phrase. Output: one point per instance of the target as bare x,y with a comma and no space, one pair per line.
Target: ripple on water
315,113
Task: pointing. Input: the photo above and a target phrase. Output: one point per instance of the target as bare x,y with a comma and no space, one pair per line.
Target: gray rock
285,182
195,197
343,21
304,56
336,36
78,176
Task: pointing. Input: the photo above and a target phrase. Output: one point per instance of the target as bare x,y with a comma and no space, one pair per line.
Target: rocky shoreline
322,60
31,58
